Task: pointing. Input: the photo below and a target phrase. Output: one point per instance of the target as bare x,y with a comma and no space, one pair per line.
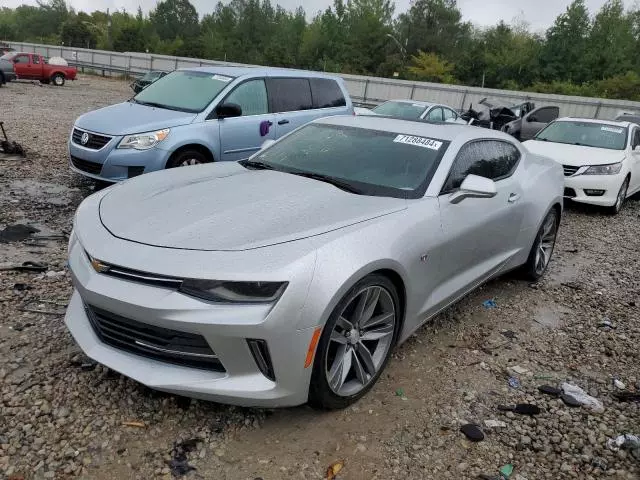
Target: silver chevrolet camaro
290,276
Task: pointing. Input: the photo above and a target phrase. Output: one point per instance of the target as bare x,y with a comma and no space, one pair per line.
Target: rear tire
355,348
58,79
543,247
187,158
620,199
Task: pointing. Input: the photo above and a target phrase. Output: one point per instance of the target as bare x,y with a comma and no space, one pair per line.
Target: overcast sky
539,13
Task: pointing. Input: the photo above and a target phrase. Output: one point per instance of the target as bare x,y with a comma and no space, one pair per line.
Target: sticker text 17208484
418,142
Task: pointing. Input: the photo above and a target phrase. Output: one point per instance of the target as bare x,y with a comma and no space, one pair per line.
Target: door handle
514,197
283,122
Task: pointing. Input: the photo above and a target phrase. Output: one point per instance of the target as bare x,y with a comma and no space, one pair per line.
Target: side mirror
228,110
267,143
474,186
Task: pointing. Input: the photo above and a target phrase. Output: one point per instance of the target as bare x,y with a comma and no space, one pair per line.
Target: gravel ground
62,416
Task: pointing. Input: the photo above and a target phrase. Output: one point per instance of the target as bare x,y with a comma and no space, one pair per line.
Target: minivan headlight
612,169
233,292
144,141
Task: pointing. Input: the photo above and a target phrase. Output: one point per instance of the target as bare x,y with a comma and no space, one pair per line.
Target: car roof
411,102
440,131
595,120
258,71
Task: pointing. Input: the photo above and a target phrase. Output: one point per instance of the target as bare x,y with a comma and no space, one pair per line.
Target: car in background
495,114
629,117
525,128
601,158
7,72
31,66
415,110
201,115
290,277
146,80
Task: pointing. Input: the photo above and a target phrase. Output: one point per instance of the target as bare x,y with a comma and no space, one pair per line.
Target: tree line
582,53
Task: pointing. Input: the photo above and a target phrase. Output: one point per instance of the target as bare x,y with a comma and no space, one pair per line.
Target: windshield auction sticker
222,78
419,142
612,129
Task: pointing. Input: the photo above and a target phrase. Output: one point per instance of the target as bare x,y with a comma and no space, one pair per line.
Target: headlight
611,169
234,292
144,141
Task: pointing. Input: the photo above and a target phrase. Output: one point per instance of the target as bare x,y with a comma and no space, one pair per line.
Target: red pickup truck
31,66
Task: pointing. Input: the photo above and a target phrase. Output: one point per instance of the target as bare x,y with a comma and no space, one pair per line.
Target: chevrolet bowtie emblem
98,266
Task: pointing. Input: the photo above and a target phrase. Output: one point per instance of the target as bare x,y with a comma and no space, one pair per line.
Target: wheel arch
192,146
57,72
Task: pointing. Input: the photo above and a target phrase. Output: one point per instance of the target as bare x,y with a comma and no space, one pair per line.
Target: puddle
550,316
51,193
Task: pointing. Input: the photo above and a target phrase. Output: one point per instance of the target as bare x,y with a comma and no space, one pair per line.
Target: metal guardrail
368,91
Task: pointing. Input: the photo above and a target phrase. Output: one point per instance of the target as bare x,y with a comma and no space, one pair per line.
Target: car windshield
184,91
408,111
371,162
587,134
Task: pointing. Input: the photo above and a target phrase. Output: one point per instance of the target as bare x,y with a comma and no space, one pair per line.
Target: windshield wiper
336,182
160,105
256,165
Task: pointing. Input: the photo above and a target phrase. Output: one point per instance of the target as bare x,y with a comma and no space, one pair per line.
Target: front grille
94,142
157,343
569,193
570,170
86,166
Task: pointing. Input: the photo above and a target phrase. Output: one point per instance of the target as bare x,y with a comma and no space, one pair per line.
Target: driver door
536,120
241,137
480,233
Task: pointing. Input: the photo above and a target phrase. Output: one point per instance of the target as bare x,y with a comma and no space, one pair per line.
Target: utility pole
108,29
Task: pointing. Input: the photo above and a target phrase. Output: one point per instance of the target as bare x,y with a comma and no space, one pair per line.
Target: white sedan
601,159
414,110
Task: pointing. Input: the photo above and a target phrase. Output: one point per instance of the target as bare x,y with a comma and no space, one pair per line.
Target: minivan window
289,94
183,90
251,96
326,93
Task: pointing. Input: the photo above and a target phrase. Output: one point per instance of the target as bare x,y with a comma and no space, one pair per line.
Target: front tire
356,343
620,199
58,79
186,158
543,246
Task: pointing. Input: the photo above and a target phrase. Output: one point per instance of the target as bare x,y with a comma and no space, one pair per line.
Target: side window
547,115
449,114
21,59
289,94
491,159
435,115
326,93
636,138
36,59
251,96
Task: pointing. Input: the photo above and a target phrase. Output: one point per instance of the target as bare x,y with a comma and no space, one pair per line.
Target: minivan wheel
58,80
356,343
186,158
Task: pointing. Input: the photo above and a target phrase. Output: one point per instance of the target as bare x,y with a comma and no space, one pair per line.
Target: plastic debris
625,442
179,464
506,470
521,408
549,390
472,432
514,382
581,396
334,469
400,393
495,424
606,323
489,304
618,384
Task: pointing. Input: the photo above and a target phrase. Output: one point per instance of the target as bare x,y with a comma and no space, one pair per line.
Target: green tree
175,18
430,68
75,33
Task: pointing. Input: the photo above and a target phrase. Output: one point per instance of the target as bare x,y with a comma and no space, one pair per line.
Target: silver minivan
200,115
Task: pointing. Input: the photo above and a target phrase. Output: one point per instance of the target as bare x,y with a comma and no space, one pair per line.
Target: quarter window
491,159
449,114
252,98
326,93
289,94
435,115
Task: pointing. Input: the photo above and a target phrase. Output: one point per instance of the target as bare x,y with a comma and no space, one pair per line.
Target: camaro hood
226,207
128,118
574,155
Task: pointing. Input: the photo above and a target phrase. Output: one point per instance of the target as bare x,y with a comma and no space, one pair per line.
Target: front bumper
111,164
576,187
226,329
